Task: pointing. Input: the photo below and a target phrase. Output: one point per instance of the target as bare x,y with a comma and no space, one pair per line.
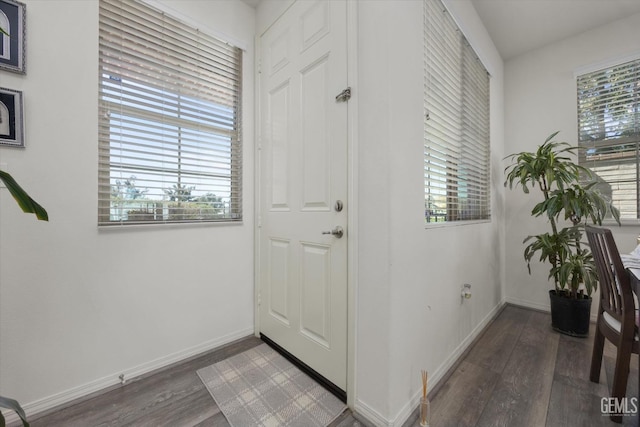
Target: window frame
591,142
456,124
194,136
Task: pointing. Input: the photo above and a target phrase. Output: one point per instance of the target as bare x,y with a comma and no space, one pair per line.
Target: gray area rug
259,387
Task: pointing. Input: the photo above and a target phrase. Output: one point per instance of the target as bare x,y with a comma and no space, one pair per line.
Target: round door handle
338,232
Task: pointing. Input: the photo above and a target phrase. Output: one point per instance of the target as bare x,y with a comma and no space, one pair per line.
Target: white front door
302,293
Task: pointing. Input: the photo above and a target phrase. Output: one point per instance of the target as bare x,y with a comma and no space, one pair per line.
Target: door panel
278,109
315,293
279,280
303,173
316,154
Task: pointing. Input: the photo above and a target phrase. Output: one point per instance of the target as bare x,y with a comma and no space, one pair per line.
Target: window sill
167,225
455,223
623,223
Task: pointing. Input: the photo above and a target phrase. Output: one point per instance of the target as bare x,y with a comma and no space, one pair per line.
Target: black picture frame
12,46
11,118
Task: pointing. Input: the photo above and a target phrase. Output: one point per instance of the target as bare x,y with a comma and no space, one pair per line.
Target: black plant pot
570,316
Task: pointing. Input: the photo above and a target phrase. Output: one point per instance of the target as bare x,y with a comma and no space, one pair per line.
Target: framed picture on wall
12,36
11,118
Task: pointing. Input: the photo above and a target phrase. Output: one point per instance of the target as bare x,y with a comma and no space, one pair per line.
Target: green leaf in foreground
12,404
26,203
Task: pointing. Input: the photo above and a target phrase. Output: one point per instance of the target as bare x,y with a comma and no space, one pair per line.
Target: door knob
338,232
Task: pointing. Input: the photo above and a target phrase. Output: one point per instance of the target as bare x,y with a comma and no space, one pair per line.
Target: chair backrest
616,296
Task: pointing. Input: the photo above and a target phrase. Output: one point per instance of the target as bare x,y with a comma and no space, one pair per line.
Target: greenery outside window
456,123
169,120
609,132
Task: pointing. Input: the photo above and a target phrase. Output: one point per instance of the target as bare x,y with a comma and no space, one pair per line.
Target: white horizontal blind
609,132
169,124
456,125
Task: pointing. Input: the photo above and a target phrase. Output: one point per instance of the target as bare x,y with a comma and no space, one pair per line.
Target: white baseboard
403,415
439,374
529,304
58,399
370,415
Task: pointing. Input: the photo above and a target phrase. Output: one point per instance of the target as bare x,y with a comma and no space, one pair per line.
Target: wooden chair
616,315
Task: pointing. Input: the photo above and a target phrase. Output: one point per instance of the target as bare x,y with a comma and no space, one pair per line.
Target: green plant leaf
552,166
550,137
12,404
26,203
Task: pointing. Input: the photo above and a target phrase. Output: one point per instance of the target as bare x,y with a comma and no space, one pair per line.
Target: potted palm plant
564,201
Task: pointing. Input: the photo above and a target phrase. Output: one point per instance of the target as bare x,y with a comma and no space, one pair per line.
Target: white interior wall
540,98
410,313
374,188
430,324
78,305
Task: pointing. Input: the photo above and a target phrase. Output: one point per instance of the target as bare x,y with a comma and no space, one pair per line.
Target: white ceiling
517,26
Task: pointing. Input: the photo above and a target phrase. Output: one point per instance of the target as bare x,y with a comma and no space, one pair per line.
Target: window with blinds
609,132
456,123
169,120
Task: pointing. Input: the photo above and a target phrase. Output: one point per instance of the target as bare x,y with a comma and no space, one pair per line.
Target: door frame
352,192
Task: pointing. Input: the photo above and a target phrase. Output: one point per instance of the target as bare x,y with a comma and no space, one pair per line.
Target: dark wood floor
522,373
173,397
519,373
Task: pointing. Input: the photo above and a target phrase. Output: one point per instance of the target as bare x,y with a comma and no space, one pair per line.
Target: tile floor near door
518,373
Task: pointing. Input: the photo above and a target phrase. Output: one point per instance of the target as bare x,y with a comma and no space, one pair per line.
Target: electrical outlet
466,291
